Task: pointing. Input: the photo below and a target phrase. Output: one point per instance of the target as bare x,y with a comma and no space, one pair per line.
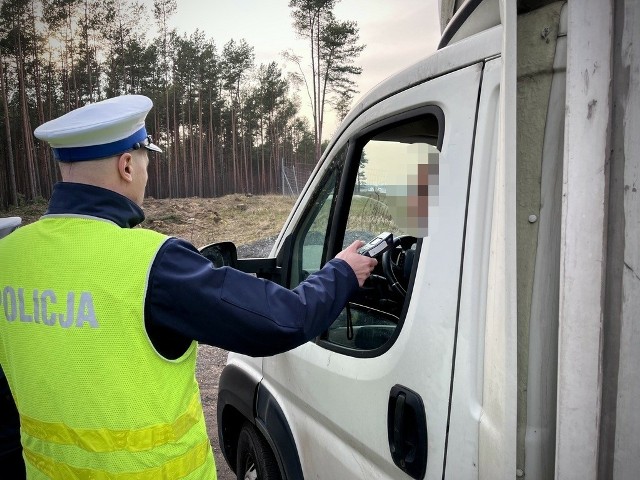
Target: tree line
226,125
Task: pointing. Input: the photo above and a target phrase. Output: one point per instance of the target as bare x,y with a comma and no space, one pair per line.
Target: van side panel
498,423
583,242
541,99
466,400
620,423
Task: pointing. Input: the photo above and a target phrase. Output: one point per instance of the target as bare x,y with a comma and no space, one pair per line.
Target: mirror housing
8,225
221,254
225,254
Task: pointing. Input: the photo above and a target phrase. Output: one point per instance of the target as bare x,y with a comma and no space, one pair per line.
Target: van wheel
255,460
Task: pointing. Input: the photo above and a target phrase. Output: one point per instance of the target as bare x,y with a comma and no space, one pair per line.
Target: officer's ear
125,167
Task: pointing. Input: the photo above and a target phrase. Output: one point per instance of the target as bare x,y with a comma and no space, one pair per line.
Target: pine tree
333,48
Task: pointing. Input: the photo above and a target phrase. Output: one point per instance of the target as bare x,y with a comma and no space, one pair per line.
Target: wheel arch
272,423
242,397
236,399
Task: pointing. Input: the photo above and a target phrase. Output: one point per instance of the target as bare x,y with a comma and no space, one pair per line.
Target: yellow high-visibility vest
96,400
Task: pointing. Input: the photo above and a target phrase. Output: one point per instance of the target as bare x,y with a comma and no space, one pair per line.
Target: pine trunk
11,170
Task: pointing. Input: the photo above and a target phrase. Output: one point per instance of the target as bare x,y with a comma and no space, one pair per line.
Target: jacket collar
79,199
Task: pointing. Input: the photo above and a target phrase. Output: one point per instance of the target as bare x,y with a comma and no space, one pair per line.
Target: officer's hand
362,266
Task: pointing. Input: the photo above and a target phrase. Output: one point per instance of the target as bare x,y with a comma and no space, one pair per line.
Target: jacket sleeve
188,299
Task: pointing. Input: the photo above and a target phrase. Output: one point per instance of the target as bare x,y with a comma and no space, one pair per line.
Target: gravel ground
211,360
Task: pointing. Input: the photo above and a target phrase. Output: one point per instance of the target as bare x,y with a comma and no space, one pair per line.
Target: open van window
388,182
310,250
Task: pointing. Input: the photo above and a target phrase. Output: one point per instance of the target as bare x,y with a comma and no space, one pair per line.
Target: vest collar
80,199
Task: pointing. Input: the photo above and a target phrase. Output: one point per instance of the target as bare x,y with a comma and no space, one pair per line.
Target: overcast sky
396,32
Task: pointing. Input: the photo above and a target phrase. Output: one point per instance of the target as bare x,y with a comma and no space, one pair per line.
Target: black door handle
397,447
407,431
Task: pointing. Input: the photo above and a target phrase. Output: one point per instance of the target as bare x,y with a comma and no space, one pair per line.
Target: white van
495,339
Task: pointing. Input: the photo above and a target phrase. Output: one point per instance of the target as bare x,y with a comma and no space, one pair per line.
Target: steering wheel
397,262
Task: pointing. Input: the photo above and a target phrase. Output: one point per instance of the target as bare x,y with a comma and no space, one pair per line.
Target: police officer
99,321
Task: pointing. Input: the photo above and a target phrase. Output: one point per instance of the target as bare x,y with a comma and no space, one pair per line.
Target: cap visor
153,148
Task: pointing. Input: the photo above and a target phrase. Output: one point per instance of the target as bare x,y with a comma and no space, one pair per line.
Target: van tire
255,460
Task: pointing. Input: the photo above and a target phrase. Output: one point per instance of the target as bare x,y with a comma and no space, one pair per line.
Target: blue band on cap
92,152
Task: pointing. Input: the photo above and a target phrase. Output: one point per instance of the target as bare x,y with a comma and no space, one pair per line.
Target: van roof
487,44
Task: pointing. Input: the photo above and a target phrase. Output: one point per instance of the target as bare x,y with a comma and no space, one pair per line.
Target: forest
226,125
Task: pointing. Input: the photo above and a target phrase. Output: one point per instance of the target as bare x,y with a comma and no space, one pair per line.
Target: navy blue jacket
188,299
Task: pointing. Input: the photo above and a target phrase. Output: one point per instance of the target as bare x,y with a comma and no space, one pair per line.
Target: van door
370,398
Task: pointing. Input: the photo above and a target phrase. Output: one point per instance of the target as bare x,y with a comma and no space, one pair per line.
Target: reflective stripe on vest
175,468
105,440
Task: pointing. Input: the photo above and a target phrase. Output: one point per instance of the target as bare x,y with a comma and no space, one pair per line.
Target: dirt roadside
251,222
211,361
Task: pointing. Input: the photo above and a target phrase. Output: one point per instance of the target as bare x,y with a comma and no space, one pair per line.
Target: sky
396,33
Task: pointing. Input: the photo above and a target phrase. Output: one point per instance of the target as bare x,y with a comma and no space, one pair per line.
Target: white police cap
99,130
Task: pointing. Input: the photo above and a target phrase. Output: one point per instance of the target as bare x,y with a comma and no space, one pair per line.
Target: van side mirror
8,225
221,254
225,254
